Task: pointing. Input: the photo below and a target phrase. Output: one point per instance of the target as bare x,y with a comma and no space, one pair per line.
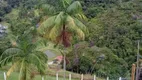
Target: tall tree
61,27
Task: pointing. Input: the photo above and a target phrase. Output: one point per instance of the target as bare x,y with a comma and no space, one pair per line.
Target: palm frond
68,1
59,19
65,3
38,59
12,38
81,25
80,16
74,28
41,55
11,69
74,8
46,25
56,29
54,33
80,34
31,47
11,52
21,68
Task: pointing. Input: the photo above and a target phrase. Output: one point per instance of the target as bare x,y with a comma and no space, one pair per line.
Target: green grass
75,76
14,76
1,76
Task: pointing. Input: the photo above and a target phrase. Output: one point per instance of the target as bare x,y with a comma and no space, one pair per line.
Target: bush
81,65
95,60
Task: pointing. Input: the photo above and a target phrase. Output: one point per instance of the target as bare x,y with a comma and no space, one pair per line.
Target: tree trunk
64,66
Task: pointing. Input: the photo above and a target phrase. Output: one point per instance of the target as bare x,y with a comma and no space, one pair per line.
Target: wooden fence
69,77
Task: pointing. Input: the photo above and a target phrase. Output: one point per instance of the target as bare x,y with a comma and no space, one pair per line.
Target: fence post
56,76
120,78
42,78
81,76
69,76
94,77
4,76
133,72
107,78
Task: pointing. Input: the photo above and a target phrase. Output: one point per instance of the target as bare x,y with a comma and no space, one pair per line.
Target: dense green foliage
117,30
4,42
114,27
91,59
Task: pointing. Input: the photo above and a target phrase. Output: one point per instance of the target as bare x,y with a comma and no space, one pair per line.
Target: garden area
70,39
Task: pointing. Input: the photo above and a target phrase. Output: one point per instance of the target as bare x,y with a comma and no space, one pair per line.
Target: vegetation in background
91,59
114,27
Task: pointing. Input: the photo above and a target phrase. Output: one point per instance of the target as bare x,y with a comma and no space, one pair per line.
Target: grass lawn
75,76
14,76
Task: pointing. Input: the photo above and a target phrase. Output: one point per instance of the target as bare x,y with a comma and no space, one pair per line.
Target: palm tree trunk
63,38
64,66
32,75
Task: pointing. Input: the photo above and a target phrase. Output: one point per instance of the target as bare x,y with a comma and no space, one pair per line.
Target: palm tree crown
25,58
65,25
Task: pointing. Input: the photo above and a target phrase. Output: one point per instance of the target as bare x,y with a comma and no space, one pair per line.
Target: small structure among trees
2,30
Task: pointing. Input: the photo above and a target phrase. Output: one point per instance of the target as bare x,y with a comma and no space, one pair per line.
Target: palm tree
25,58
64,25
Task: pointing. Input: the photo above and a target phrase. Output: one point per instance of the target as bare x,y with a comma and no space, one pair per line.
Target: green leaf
65,3
74,8
46,25
59,19
81,25
71,26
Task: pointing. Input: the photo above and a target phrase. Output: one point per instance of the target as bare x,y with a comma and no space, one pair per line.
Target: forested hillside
113,26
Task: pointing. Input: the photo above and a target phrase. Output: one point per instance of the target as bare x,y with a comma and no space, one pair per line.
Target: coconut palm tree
25,58
64,25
